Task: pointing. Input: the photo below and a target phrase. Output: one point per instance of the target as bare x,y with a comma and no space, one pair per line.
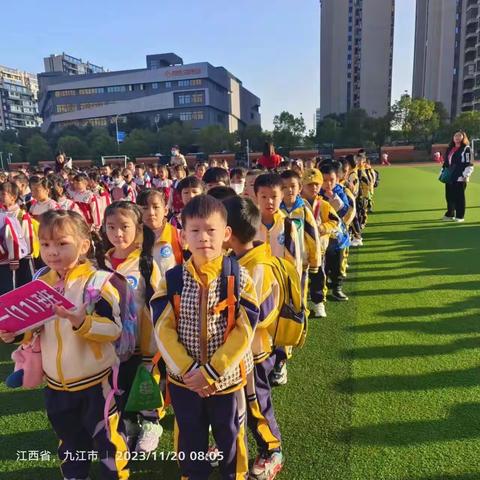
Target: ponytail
146,261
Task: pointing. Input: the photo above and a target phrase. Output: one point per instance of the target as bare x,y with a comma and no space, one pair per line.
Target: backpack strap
174,278
40,272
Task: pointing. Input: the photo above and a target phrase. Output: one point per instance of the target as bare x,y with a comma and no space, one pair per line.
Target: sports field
387,387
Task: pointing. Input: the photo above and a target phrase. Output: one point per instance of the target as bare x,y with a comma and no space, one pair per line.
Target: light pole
116,133
248,153
474,140
1,160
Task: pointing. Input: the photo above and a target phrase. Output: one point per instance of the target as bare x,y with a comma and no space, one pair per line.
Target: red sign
29,306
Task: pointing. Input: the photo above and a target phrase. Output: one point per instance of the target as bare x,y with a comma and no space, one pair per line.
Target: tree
328,130
73,146
467,121
288,130
255,135
215,138
418,118
38,149
101,144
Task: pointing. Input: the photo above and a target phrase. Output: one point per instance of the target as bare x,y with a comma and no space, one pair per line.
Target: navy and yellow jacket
76,359
130,269
327,220
281,245
309,236
353,182
197,338
270,298
342,203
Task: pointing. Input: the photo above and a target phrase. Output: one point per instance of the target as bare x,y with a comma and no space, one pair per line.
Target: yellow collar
135,255
256,253
211,270
81,269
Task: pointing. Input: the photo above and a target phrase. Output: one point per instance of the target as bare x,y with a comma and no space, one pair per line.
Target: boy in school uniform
327,222
281,236
206,344
297,209
335,195
244,220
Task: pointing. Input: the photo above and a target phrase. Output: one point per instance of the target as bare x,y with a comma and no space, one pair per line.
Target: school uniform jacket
278,242
327,220
170,236
309,236
78,358
341,203
270,298
353,182
130,269
196,339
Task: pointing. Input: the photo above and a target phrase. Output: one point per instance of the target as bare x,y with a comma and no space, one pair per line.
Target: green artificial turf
387,387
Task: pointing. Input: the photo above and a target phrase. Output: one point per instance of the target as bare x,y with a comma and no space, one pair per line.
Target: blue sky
271,45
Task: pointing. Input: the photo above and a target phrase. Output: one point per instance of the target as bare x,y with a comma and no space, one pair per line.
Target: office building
356,55
167,89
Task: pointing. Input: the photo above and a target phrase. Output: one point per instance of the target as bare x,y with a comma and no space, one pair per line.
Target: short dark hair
243,218
203,206
289,174
351,161
216,175
270,180
328,168
237,171
221,192
190,182
21,178
11,188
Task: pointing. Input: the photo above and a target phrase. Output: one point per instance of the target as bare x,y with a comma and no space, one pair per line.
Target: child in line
82,196
250,177
142,179
200,169
281,236
130,245
207,350
188,188
167,250
298,210
216,176
78,352
41,191
244,220
237,180
25,194
59,194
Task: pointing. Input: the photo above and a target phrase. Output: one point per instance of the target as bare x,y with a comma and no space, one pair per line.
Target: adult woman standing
269,159
456,171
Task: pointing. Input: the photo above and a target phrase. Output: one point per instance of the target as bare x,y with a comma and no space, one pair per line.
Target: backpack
229,290
125,344
13,245
290,329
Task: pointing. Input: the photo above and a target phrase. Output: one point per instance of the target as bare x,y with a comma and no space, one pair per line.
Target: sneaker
356,242
339,295
132,430
149,436
279,375
212,455
319,310
458,220
267,466
448,219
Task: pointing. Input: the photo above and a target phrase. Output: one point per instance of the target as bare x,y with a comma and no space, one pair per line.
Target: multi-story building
167,89
70,65
18,99
447,54
356,55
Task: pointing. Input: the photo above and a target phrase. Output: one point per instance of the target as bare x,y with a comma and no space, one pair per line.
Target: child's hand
196,381
76,317
7,337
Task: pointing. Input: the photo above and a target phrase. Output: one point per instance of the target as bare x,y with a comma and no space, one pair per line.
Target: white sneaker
356,242
448,219
149,436
458,220
267,466
279,375
319,310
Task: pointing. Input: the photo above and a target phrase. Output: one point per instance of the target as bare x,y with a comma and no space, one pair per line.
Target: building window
185,116
197,115
65,93
66,108
197,98
90,91
197,81
155,85
169,116
168,84
117,89
85,106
